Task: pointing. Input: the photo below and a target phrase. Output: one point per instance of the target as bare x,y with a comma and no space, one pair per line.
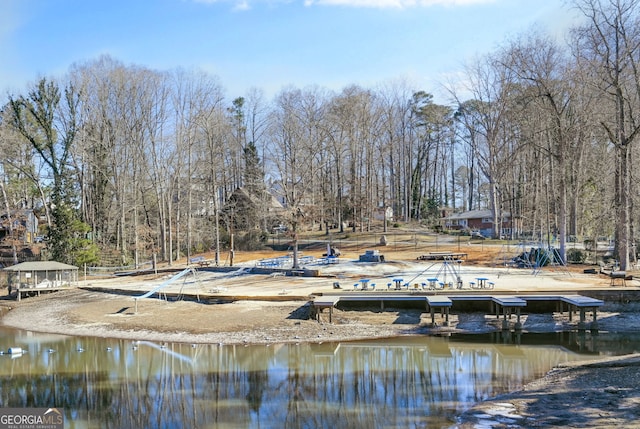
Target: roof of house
41,266
270,199
474,214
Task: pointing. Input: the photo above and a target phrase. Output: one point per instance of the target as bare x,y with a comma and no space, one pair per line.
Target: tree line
125,160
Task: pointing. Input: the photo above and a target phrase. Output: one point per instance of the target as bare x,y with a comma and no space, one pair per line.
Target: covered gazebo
40,275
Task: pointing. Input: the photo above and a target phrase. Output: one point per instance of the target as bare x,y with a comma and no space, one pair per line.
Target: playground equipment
166,283
448,271
450,267
536,258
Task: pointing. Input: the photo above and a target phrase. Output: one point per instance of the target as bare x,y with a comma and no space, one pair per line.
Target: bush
253,240
576,256
589,244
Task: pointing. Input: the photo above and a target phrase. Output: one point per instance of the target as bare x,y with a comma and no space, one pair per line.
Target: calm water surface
405,382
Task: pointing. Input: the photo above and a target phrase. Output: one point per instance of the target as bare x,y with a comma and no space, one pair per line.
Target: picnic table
483,283
200,260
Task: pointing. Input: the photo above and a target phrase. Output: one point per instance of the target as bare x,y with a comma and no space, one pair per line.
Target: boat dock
500,304
442,256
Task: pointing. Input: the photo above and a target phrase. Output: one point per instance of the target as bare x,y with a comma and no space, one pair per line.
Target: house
19,226
245,210
477,220
383,213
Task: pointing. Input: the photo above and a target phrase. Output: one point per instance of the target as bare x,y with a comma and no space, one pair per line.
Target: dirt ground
598,395
79,312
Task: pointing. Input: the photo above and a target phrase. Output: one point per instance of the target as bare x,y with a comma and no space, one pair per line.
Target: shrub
252,240
576,256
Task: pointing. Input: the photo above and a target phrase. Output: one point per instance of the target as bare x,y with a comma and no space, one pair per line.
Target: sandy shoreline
82,313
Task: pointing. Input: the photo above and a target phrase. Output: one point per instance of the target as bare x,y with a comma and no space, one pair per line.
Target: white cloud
382,4
11,18
242,5
376,4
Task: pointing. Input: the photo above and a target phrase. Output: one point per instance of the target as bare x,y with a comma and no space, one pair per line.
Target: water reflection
416,381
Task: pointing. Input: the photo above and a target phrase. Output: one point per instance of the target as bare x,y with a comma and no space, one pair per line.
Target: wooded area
124,160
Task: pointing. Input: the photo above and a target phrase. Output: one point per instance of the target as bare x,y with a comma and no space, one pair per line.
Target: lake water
402,382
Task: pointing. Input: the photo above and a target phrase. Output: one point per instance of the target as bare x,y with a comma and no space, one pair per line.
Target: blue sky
268,44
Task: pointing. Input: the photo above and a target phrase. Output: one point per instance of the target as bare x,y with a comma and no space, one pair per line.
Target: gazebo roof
41,266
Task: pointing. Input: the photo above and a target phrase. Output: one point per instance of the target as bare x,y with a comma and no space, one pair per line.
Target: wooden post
231,252
594,323
518,322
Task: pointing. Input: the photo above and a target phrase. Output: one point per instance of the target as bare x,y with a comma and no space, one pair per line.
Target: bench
200,260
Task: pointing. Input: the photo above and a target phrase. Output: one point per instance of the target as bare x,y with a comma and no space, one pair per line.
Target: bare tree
542,73
486,120
293,153
609,45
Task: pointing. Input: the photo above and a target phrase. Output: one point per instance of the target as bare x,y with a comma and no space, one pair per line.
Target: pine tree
50,127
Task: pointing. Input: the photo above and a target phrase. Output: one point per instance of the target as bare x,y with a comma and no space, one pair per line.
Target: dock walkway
504,305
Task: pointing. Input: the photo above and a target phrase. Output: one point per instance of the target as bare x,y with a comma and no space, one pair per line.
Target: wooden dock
24,291
442,256
503,305
432,302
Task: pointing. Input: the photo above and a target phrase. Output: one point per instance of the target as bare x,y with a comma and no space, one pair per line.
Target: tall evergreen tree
50,127
253,176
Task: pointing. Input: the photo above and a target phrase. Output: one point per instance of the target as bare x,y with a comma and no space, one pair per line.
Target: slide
164,284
